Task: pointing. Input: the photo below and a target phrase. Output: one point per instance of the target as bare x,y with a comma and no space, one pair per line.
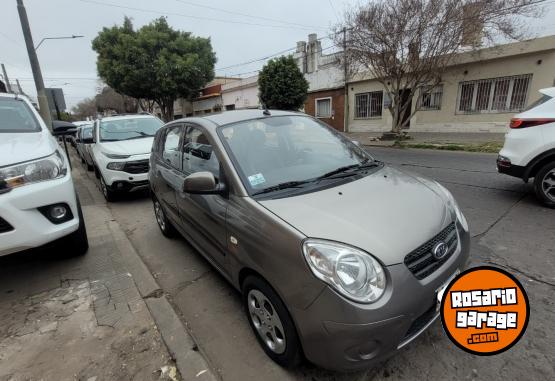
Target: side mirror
61,128
202,183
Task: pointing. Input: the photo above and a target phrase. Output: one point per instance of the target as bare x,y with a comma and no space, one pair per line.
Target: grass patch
488,147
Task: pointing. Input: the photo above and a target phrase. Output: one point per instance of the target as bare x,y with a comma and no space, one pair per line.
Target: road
508,227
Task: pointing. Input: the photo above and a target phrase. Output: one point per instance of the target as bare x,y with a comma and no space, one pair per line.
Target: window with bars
430,99
503,94
369,105
323,108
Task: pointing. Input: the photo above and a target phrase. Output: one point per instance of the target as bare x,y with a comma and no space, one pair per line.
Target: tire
108,194
544,184
278,337
166,227
77,243
90,168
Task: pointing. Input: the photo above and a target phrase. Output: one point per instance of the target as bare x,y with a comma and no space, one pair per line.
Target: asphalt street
509,229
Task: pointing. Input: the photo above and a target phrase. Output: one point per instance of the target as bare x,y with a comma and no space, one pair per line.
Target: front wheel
544,184
106,191
271,322
77,243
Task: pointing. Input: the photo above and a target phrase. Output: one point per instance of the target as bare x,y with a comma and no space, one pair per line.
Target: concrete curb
190,362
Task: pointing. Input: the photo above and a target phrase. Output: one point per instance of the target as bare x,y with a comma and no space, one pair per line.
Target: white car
38,203
529,149
121,152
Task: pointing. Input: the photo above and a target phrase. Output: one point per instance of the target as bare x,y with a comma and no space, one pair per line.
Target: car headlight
48,168
116,166
115,156
352,272
454,206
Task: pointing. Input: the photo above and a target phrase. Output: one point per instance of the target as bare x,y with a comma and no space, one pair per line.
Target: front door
203,216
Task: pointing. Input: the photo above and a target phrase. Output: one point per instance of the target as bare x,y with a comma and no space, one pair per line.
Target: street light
56,38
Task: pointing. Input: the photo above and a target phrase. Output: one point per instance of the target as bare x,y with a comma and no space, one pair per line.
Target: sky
240,31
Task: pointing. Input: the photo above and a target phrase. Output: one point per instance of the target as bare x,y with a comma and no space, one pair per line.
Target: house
210,98
241,94
326,81
480,91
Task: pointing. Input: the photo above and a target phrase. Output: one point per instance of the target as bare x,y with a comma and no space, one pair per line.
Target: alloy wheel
160,218
266,321
548,185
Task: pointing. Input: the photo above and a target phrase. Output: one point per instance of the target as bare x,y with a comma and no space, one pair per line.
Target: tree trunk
166,107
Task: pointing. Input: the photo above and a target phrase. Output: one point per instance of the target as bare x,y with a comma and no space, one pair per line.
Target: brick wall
337,106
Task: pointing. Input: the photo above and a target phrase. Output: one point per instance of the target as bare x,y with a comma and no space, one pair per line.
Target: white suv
38,203
121,152
529,150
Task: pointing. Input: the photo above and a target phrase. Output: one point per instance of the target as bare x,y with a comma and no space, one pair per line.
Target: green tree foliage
154,62
282,85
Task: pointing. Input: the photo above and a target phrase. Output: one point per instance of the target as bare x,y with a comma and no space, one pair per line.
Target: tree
282,85
155,63
85,108
407,44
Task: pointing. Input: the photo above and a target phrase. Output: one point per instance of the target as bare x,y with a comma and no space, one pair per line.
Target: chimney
473,24
313,52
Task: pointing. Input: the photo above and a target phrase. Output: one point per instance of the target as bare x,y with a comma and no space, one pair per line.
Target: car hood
139,146
388,214
25,146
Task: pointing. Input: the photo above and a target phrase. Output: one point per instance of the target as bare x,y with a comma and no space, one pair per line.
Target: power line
251,16
189,16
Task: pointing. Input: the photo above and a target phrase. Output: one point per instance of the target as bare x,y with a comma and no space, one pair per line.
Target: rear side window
170,151
16,116
540,101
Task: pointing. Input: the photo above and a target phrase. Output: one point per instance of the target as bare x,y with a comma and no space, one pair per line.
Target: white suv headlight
48,168
352,272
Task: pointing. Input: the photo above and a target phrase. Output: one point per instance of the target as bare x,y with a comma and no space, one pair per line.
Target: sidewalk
97,317
440,138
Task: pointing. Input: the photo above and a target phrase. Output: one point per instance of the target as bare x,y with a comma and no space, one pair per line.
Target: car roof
126,116
228,117
549,91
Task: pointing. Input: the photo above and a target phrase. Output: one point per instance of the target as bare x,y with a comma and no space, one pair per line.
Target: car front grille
421,261
5,226
135,167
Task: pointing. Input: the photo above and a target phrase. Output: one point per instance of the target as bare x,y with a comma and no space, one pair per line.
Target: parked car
338,256
121,152
83,144
38,203
529,149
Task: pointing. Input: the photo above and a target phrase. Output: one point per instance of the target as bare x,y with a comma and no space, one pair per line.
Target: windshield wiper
346,170
286,185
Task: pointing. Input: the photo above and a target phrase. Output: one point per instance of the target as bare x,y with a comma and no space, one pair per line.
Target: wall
337,105
243,94
446,119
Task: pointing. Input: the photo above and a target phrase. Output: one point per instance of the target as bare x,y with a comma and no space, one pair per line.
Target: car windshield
16,116
284,151
130,128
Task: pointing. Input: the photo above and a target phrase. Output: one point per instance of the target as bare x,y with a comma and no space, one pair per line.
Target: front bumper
341,335
28,227
123,180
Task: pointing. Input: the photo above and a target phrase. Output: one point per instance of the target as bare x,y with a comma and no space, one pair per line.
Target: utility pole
345,79
44,109
8,86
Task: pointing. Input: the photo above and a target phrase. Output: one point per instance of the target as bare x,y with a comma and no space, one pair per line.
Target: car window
170,151
86,133
198,153
128,128
16,116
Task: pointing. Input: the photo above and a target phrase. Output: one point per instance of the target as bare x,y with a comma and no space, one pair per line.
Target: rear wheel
164,224
544,184
271,322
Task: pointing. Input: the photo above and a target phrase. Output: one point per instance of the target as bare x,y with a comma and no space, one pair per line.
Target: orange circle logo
484,310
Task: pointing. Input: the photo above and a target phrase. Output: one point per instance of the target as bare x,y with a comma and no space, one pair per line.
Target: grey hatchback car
339,257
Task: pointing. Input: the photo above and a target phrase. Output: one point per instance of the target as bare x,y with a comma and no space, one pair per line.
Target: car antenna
266,111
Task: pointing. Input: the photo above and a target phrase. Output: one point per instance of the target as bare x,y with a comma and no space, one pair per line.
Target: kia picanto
340,258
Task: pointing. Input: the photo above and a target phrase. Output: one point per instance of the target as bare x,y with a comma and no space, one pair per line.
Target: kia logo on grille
439,250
